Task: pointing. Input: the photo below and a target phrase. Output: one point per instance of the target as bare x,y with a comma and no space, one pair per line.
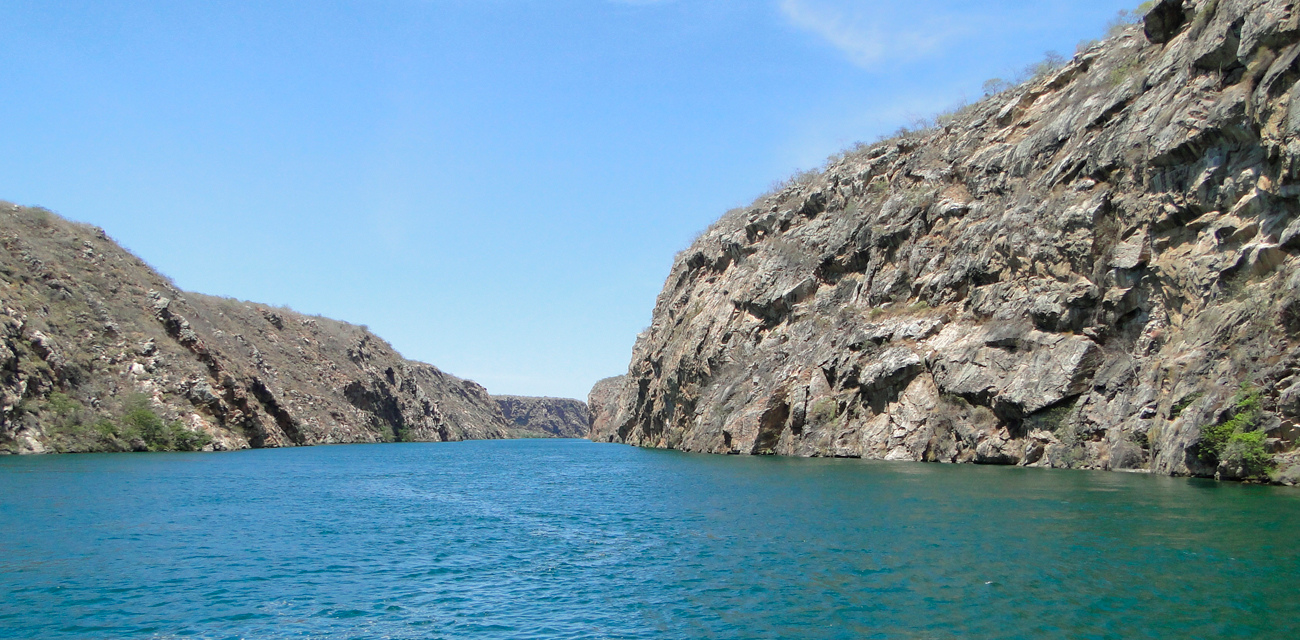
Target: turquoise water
570,539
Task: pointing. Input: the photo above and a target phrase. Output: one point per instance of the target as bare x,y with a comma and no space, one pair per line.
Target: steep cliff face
99,353
1095,269
553,417
603,402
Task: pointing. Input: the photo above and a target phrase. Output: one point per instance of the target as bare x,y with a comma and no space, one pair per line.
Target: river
571,539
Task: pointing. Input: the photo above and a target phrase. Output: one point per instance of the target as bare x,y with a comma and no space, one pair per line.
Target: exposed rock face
555,417
85,326
1079,272
602,402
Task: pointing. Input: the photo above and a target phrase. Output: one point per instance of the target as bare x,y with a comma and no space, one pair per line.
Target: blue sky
497,187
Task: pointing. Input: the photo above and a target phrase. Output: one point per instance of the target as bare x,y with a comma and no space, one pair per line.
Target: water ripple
569,539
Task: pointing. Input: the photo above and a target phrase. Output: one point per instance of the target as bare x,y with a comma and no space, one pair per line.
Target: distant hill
555,417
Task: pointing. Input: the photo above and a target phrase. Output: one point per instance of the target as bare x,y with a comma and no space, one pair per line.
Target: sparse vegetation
37,216
1052,419
1072,451
1050,63
794,253
68,430
823,411
919,198
1288,314
994,86
1121,74
73,428
798,178
728,219
141,422
1237,442
1125,19
1203,16
1180,406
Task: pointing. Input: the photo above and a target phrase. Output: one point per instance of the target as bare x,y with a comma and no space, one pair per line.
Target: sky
496,187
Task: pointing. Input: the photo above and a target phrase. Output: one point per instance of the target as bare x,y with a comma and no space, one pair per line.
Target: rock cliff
552,417
1095,269
603,402
98,352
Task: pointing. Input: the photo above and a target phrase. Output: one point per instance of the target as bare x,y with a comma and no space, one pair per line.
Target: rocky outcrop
602,402
100,352
1096,269
547,417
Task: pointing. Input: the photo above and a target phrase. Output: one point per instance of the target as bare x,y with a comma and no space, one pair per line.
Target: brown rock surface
1081,271
88,331
602,402
553,417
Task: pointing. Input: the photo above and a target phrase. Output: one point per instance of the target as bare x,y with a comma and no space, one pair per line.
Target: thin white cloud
872,33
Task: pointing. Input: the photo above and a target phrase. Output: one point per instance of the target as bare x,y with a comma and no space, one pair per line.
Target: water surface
571,539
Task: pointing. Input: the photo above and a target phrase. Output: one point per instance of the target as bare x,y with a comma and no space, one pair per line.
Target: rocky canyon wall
1095,269
98,352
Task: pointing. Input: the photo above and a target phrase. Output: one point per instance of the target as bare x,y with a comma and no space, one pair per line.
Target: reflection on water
569,539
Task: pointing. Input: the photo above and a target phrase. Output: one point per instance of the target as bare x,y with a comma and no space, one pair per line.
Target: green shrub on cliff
141,422
65,419
70,427
1236,441
1247,451
138,428
823,411
1180,406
